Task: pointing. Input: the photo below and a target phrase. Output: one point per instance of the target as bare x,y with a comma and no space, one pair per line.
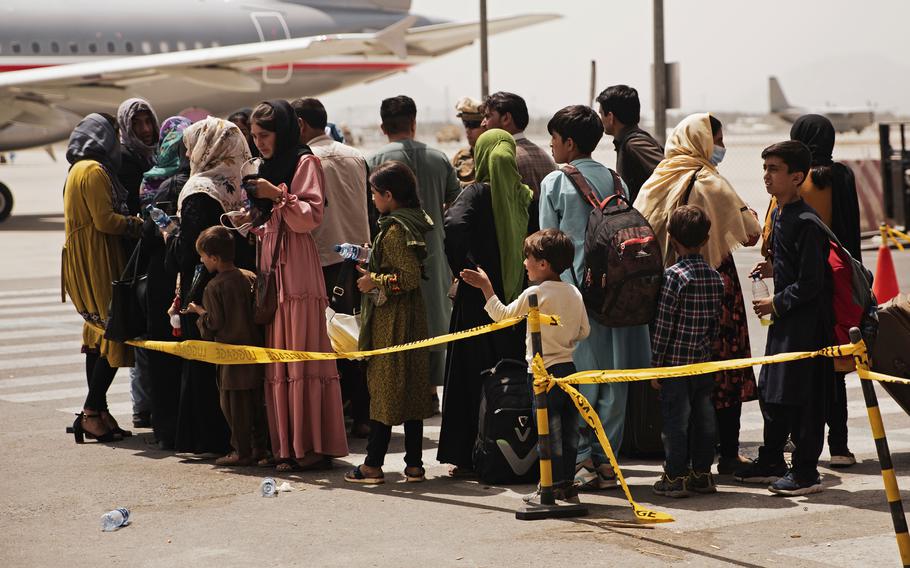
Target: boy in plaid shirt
685,327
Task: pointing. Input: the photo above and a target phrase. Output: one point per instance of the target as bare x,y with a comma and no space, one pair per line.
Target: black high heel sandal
80,433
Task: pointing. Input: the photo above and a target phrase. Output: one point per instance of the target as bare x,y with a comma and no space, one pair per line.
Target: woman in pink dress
303,400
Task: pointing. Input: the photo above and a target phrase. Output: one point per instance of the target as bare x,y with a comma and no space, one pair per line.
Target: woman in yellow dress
94,206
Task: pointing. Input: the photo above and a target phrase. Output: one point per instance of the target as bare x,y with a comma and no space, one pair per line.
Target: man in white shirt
344,221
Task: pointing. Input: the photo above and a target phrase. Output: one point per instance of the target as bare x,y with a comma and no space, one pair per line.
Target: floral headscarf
217,150
168,160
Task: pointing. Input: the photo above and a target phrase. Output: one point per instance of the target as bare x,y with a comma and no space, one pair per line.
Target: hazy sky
837,52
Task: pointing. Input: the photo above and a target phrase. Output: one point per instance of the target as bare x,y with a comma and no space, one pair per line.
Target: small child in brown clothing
226,316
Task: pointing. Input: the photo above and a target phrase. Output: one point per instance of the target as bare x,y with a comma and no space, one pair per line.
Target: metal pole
660,74
593,92
892,492
484,66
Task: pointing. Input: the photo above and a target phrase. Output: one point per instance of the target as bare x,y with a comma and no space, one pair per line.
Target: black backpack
506,446
624,266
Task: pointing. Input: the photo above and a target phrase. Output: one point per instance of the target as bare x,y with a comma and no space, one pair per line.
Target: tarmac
185,511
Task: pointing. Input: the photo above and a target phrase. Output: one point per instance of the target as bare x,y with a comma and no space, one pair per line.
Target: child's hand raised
478,279
364,283
194,308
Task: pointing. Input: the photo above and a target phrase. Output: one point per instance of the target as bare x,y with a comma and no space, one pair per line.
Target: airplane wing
24,94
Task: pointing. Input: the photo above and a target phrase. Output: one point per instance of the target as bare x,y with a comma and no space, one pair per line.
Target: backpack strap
688,192
584,188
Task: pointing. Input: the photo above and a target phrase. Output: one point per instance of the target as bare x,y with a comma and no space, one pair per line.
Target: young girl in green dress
398,383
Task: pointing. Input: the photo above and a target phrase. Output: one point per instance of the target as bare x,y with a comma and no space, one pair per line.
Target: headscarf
281,166
816,132
95,138
688,151
217,150
167,162
495,163
128,109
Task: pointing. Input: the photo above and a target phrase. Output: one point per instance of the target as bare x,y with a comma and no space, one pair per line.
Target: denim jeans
689,429
563,420
140,383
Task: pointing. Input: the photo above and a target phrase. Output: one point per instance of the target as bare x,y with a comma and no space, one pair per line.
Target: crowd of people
262,198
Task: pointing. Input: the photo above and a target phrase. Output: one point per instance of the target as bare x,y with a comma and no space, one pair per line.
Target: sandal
422,476
233,459
286,465
322,464
356,476
461,472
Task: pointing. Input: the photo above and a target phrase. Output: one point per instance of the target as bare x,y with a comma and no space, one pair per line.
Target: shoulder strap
688,192
278,242
584,188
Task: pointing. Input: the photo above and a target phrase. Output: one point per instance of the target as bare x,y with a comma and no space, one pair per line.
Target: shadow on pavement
33,222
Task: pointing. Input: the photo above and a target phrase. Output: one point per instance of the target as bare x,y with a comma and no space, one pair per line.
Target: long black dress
164,369
201,427
471,242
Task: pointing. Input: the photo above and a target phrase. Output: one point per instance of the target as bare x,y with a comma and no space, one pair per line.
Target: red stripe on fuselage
338,66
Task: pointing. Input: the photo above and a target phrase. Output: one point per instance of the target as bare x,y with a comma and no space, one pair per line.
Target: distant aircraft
56,65
843,119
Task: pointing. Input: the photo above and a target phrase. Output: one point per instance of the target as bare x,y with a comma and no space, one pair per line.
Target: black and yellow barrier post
892,492
547,509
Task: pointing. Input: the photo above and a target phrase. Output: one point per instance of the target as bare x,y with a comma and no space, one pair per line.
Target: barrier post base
540,512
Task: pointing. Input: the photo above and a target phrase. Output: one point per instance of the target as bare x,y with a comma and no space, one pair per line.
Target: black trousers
804,425
381,435
99,375
353,373
728,420
837,416
165,373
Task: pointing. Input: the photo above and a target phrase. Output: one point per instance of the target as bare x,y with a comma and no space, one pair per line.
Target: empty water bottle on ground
354,252
760,292
115,519
162,219
268,487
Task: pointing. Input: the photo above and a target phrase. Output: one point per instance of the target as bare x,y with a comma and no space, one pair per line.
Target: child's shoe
676,487
760,472
842,458
701,482
789,486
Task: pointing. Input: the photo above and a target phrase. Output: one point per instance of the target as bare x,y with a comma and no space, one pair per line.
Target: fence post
892,492
547,509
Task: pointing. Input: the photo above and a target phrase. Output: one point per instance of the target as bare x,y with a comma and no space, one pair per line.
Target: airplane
843,119
60,60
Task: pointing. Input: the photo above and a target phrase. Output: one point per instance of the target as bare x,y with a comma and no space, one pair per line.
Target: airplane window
35,47
146,47
129,47
216,44
110,47
74,47
55,47
163,46
92,47
16,47
181,46
197,44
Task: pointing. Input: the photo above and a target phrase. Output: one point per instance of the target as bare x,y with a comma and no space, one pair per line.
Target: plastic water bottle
350,251
161,219
115,519
268,487
759,292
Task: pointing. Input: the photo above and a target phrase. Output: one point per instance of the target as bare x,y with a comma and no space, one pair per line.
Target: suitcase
506,446
889,352
641,434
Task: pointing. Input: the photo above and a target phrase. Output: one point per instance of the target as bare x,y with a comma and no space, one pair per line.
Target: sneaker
728,466
667,487
789,446
758,472
701,482
599,478
789,486
565,494
842,459
142,420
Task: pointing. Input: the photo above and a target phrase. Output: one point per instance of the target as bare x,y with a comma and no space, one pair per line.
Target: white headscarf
128,109
217,150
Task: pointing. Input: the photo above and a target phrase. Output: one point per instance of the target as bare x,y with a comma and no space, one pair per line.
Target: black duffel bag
126,315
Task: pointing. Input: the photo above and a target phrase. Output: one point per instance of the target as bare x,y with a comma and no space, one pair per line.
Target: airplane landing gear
6,202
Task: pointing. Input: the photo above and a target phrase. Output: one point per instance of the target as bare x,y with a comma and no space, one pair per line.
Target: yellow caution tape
226,354
642,514
892,234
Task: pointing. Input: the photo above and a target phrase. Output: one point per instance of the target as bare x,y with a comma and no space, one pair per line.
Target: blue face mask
717,156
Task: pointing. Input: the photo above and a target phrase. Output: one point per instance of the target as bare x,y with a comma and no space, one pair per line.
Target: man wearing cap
470,111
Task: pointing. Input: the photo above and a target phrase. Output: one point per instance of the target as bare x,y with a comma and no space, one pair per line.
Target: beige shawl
689,148
217,150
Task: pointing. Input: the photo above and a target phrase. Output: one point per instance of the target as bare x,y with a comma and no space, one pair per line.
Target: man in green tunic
437,186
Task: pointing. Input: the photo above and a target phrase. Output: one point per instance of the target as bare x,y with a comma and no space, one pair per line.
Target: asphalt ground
186,511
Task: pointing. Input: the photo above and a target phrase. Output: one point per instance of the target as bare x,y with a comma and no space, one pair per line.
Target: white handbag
344,331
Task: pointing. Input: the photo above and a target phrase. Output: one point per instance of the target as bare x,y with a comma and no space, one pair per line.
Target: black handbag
126,318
